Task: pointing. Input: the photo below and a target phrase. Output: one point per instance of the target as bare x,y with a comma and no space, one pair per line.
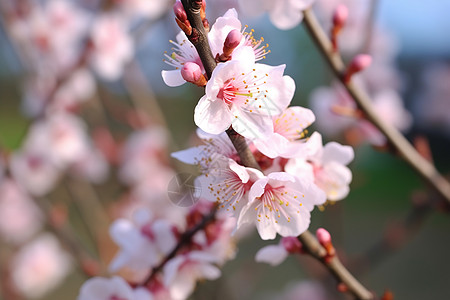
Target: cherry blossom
98,288
20,218
52,33
245,96
326,166
281,203
40,266
62,136
113,46
227,183
143,241
34,171
182,272
289,129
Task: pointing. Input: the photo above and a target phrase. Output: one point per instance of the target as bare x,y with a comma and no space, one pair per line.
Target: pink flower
62,136
326,166
34,171
182,272
183,52
227,183
20,218
289,129
142,242
113,46
40,266
115,288
281,203
245,96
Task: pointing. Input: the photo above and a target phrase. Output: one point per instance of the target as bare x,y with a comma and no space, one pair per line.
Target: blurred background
409,43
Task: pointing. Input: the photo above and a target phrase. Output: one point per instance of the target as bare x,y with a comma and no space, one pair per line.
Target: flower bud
324,238
179,11
181,18
359,63
292,244
340,16
191,72
233,39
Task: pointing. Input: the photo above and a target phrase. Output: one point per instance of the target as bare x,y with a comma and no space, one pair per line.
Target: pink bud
191,72
291,244
358,64
233,39
323,236
340,16
179,11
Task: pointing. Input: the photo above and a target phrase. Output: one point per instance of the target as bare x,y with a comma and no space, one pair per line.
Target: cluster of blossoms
297,173
253,98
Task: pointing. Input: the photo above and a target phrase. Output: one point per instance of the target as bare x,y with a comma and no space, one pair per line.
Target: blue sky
422,26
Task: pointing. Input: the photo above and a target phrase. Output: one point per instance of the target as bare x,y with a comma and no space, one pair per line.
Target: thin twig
242,149
398,141
309,242
335,266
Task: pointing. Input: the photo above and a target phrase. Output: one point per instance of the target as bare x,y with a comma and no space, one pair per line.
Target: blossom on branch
245,96
281,203
289,131
325,166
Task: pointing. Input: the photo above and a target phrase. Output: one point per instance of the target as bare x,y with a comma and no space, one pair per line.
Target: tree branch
400,143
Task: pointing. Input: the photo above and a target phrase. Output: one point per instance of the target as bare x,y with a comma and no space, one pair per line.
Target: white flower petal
172,78
251,125
273,255
212,116
336,152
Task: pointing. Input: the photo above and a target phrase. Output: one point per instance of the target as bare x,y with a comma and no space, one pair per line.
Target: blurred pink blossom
40,266
113,46
20,218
